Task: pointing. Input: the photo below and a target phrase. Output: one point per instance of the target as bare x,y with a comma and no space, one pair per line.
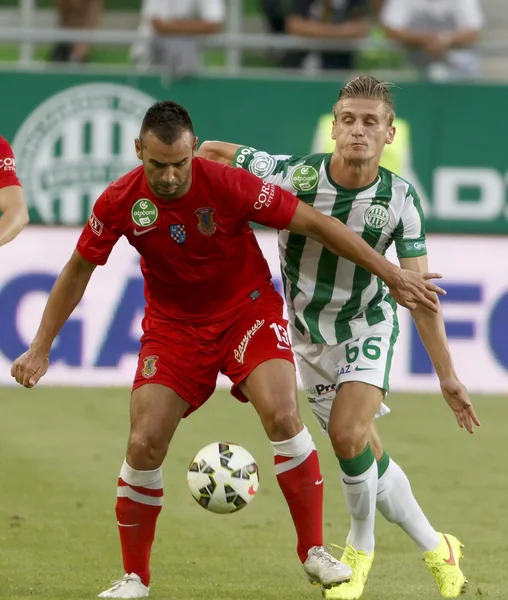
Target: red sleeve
99,234
259,201
7,165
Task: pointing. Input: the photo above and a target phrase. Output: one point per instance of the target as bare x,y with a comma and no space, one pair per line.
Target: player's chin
168,193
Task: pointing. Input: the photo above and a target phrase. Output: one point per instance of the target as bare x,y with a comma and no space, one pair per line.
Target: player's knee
282,421
348,438
146,451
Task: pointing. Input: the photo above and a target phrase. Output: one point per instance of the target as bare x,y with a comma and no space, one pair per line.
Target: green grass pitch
61,451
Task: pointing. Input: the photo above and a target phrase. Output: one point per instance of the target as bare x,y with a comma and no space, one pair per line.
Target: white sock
395,501
360,492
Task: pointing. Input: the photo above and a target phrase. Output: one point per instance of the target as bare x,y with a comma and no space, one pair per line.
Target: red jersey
7,165
199,257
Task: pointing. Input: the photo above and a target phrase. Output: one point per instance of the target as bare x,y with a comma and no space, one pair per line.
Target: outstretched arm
408,288
63,299
431,327
221,152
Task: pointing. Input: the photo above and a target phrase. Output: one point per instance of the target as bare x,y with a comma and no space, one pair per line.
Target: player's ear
195,145
390,135
137,145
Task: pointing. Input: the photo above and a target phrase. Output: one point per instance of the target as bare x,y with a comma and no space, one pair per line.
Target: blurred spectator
275,12
437,33
332,19
76,14
172,25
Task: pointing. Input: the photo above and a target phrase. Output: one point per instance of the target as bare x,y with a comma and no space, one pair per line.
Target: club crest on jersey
376,216
206,221
149,369
177,233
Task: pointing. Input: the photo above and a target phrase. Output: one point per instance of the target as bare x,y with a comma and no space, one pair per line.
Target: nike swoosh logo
364,368
318,482
143,231
282,347
451,560
251,491
122,525
353,482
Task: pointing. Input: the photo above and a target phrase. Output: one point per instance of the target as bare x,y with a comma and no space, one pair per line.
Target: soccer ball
223,477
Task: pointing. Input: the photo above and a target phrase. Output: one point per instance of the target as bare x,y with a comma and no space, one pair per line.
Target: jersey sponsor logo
242,157
76,143
8,164
95,225
304,178
144,212
206,220
242,347
265,196
262,164
416,246
324,388
177,233
376,216
345,370
149,366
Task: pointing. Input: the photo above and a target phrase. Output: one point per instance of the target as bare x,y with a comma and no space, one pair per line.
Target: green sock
358,464
382,465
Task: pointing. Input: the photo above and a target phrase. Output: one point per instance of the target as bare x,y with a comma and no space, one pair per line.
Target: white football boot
323,569
129,586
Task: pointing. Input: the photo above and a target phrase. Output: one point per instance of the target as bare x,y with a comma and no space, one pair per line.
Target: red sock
300,480
137,509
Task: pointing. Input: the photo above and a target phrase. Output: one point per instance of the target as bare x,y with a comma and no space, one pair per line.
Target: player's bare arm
63,299
221,152
408,288
14,213
431,328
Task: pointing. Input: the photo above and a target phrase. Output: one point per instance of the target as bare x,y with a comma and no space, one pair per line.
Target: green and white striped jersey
324,292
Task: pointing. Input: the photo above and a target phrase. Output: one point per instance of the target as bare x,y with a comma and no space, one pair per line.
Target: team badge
206,221
149,369
177,233
376,216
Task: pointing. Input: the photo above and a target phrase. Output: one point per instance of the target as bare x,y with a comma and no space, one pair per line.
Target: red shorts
188,359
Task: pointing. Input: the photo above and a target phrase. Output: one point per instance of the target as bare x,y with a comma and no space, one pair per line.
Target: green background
451,125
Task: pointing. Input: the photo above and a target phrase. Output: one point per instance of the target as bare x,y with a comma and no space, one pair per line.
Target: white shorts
366,357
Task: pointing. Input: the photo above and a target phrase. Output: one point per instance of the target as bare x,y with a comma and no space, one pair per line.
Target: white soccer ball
223,477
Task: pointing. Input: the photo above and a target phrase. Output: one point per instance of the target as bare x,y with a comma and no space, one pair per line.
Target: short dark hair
369,87
167,120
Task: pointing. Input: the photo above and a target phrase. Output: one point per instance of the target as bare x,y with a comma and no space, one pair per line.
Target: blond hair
369,87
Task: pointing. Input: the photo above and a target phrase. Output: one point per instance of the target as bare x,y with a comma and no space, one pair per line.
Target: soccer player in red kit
13,207
210,307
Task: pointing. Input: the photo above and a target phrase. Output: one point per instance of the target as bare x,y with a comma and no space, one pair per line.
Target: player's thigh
259,361
180,358
324,369
155,412
363,369
318,371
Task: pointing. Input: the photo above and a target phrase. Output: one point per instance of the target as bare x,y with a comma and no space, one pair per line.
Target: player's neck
353,175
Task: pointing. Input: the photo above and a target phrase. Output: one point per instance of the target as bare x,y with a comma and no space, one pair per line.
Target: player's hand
458,400
410,288
30,367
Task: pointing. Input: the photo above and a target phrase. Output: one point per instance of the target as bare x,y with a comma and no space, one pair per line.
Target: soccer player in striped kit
343,322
